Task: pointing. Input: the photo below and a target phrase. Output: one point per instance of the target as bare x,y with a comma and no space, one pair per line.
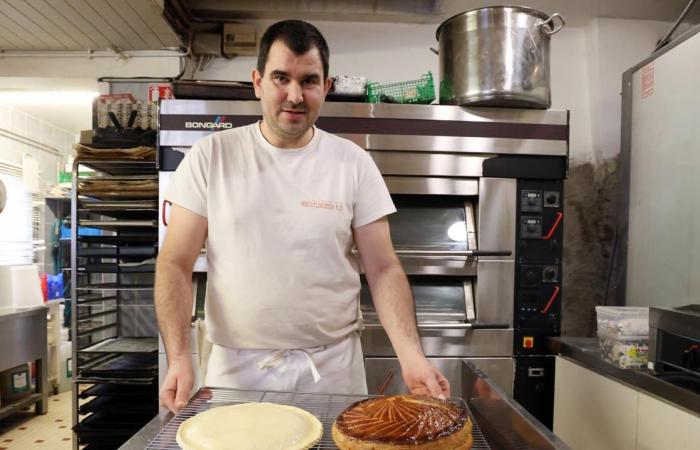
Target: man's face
291,93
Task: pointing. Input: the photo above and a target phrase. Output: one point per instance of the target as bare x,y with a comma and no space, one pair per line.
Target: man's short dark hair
298,36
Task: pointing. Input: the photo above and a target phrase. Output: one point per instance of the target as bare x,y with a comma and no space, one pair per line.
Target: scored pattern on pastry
401,419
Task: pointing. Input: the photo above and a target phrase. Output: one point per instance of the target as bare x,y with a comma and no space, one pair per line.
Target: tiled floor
28,431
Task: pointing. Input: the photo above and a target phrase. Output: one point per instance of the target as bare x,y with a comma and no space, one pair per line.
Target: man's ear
328,84
257,82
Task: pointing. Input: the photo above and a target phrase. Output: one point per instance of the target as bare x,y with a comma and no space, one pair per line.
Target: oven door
455,241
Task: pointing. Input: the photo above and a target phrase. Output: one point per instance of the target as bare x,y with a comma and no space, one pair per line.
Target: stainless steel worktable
23,337
503,423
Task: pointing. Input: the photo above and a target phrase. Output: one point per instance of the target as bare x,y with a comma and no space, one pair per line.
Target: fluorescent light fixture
18,97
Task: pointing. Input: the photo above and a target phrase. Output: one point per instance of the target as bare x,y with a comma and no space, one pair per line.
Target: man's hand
422,378
177,385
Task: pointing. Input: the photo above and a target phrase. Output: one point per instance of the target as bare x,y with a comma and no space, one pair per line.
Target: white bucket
20,287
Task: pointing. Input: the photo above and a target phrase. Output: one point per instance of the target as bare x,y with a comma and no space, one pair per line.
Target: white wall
84,67
618,45
23,133
587,63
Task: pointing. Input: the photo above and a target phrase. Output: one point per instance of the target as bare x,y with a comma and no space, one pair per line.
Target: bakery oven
479,227
461,278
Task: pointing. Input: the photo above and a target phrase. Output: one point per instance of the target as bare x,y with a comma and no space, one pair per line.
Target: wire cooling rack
326,407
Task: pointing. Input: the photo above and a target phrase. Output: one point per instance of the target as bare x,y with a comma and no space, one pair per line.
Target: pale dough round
251,426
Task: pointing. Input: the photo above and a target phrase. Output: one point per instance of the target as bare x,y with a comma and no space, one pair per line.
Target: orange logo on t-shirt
322,204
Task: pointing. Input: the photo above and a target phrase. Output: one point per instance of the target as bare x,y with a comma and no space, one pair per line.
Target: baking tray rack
326,407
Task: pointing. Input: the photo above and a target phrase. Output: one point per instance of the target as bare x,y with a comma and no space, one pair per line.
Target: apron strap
277,358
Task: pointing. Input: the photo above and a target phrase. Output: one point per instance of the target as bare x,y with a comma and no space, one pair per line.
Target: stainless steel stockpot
497,56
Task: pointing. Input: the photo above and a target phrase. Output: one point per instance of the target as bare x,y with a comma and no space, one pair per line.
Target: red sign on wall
159,91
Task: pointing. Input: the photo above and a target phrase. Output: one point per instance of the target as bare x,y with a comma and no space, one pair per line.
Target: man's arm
394,304
187,232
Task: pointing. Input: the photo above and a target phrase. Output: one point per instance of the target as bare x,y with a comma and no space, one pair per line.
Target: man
281,205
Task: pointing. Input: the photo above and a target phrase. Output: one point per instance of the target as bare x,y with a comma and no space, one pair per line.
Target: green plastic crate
416,91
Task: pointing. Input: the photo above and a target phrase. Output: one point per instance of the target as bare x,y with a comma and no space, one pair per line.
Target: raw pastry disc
251,426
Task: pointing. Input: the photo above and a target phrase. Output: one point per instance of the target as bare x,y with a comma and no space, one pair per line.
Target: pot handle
434,50
545,24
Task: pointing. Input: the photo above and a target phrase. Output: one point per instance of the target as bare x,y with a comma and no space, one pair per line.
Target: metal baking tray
326,407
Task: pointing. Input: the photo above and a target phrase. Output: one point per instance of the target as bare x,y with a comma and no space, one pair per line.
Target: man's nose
294,95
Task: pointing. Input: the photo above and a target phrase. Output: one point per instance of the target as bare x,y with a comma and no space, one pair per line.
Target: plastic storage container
623,333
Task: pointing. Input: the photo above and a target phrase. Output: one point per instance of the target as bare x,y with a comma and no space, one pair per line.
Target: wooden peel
387,380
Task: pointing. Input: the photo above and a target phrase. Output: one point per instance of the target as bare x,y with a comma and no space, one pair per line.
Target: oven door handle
466,253
450,326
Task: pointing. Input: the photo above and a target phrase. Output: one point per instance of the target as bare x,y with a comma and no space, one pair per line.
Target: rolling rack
114,329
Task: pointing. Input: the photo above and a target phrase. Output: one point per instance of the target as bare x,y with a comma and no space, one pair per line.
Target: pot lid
522,9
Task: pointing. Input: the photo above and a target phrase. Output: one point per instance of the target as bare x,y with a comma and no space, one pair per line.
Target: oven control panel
538,277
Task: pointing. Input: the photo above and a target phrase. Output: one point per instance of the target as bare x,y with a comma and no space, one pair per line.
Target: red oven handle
551,300
165,203
557,221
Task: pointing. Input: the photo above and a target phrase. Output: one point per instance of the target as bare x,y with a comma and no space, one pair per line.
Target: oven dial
530,276
531,227
551,199
550,274
531,201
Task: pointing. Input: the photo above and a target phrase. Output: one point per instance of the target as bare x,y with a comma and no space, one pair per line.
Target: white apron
337,368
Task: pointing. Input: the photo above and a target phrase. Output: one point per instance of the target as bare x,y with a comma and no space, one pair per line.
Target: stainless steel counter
503,423
23,336
586,352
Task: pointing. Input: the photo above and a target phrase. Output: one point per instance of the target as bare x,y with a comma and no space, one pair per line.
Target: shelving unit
56,257
115,343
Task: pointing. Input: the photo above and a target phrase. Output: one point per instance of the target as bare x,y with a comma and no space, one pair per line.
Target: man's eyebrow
279,73
282,73
312,76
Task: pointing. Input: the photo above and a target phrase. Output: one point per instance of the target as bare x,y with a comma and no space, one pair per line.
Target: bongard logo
208,125
218,123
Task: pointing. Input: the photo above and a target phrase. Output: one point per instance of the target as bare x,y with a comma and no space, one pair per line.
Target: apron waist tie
277,358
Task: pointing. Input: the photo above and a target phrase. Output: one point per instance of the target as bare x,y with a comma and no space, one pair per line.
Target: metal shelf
124,345
19,405
128,237
116,268
118,252
118,404
82,317
117,224
121,167
94,299
115,287
122,254
124,214
122,390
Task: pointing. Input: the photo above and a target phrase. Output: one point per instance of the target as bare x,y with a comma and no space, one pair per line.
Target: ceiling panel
15,34
47,27
425,11
29,27
102,20
136,23
84,25
63,23
78,20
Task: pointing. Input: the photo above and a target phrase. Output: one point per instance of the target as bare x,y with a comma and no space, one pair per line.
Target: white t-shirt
280,270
